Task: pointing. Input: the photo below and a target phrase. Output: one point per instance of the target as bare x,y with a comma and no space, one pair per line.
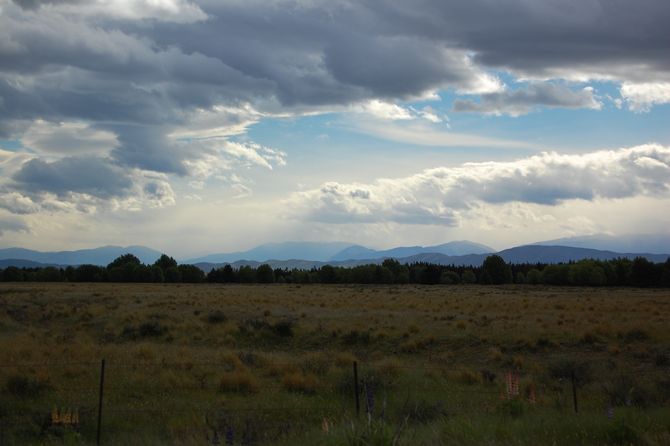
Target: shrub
356,337
216,317
300,382
283,329
25,387
150,329
240,381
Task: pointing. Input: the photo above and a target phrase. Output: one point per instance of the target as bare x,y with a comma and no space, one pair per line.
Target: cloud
91,176
67,138
443,196
525,100
12,224
424,134
168,10
640,97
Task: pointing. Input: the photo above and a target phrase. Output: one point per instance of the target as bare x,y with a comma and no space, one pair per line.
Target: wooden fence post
102,384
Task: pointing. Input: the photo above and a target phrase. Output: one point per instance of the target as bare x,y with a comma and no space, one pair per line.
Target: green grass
272,364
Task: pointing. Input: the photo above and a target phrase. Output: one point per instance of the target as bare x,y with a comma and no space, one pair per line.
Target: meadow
273,364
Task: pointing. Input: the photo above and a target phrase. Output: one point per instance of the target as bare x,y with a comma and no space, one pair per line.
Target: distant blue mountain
519,254
19,263
456,248
96,256
279,251
651,243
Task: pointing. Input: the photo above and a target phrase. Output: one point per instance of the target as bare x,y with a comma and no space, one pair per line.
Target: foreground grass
273,364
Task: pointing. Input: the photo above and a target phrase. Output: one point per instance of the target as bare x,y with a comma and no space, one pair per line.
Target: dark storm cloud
538,37
144,74
92,176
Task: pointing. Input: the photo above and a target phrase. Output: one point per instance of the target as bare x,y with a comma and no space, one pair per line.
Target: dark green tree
265,274
496,271
191,274
165,262
124,260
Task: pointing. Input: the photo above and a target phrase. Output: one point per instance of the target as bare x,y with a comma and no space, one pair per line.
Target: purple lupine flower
230,435
610,412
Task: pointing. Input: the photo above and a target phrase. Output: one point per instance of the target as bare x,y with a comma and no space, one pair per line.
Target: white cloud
444,196
384,110
640,97
179,11
67,138
429,135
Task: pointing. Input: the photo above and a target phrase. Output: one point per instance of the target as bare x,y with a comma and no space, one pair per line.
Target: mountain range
315,254
519,254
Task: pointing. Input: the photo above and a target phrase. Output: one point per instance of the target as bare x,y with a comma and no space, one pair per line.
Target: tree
643,273
191,274
534,277
265,274
327,274
89,273
556,275
496,271
468,276
449,278
246,274
12,274
173,275
124,260
165,262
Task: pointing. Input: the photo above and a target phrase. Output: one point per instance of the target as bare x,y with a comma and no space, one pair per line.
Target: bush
240,381
24,387
150,329
356,337
300,382
283,329
216,317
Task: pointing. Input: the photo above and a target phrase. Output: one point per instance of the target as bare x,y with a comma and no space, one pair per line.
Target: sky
214,126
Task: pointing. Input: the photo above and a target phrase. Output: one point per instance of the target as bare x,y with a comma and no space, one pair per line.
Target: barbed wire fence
123,393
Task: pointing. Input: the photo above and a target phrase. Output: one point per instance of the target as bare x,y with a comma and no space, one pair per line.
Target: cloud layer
442,196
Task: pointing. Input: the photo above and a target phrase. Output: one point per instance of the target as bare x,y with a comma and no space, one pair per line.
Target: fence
220,403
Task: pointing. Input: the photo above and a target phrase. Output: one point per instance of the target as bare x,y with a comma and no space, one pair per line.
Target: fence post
356,392
574,390
102,384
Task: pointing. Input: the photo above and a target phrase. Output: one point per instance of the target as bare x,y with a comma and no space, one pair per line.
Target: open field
273,364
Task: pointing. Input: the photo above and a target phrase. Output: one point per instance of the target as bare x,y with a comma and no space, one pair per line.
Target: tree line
638,272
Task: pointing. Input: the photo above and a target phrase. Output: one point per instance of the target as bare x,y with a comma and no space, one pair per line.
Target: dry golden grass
177,346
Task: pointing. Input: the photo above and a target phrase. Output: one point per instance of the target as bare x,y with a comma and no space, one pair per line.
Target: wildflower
512,381
230,435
